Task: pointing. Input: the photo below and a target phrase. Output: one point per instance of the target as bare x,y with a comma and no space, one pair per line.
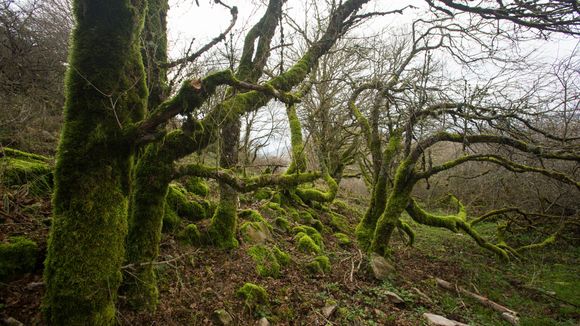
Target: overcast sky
187,21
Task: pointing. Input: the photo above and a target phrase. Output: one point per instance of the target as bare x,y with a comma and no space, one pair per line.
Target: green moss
282,224
191,235
454,223
339,223
17,257
306,244
185,206
320,265
14,153
254,232
282,257
19,171
171,220
276,207
298,163
105,93
266,261
254,295
149,215
317,224
309,195
222,230
263,194
306,217
311,232
405,227
365,230
342,239
364,235
254,216
197,186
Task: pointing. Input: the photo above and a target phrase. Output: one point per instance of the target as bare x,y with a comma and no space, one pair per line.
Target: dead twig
506,313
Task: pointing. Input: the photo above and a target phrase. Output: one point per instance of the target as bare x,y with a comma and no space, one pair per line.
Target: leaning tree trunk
365,230
105,92
397,201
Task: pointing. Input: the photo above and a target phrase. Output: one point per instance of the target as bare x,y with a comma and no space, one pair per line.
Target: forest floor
544,288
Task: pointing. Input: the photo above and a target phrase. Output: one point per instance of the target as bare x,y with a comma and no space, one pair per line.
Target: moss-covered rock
190,235
266,261
17,257
254,296
171,220
186,207
339,223
197,186
311,232
320,265
306,217
282,257
276,207
342,239
317,224
255,232
281,224
305,244
254,216
263,194
26,169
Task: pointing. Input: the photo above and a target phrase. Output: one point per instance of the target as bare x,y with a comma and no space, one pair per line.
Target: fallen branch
506,313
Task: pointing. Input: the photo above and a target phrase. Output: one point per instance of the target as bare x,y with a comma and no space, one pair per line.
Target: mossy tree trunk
223,225
152,174
365,230
105,92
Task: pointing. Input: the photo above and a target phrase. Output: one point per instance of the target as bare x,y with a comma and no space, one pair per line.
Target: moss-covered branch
312,194
191,95
245,184
14,153
298,163
453,223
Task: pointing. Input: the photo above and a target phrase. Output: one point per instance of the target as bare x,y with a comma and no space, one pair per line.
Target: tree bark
105,91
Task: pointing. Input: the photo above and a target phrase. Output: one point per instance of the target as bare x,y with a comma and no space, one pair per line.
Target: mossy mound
255,297
255,232
263,194
179,200
305,244
320,265
281,224
170,220
17,257
339,223
191,235
254,216
276,207
342,239
197,186
311,232
268,261
20,168
282,257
